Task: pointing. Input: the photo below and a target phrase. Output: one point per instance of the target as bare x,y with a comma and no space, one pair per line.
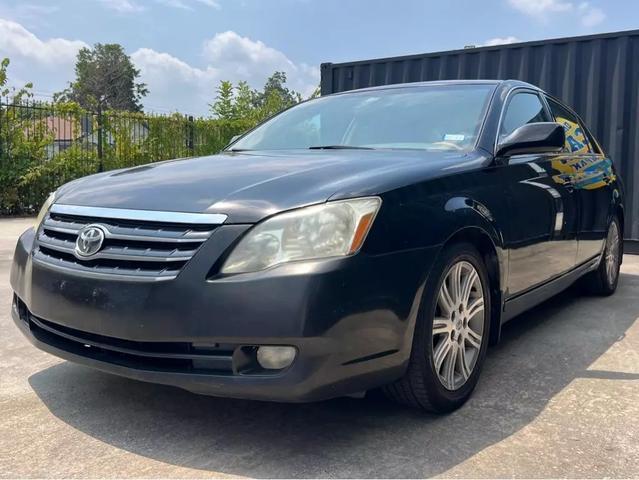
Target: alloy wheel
458,325
612,253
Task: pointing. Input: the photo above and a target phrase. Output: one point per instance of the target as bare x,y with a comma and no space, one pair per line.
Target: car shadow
541,352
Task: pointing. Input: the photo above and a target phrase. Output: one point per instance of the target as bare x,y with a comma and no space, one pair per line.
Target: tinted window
576,138
523,108
437,117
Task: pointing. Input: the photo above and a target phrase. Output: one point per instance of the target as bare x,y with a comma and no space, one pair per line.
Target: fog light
275,358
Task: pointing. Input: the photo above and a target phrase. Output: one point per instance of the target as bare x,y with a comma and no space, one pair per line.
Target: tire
604,280
428,383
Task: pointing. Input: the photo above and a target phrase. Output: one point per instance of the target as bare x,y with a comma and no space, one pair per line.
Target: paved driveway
558,397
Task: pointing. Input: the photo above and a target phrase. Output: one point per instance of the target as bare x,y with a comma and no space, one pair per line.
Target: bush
34,162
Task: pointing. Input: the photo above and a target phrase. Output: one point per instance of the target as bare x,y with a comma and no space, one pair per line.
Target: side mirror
542,137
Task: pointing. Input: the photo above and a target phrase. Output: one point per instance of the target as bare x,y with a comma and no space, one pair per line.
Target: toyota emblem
89,240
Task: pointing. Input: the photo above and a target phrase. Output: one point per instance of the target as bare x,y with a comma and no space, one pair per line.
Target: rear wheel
451,334
604,280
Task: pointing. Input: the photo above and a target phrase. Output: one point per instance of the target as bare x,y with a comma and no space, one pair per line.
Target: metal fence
43,145
598,75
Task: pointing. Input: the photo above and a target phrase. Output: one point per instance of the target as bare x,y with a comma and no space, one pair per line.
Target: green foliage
35,159
42,177
105,79
31,167
4,64
21,136
224,106
243,103
15,94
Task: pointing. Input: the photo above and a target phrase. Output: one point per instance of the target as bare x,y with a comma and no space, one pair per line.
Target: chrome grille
137,244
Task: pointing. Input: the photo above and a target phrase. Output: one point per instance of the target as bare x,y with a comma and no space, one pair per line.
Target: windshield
436,117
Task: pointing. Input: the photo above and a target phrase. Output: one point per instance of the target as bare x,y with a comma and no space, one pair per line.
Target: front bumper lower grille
134,246
181,357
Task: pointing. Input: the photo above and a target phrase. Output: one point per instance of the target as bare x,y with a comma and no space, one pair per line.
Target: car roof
505,83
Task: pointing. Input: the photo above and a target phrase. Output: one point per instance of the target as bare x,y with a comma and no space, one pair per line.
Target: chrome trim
140,215
111,232
102,275
115,253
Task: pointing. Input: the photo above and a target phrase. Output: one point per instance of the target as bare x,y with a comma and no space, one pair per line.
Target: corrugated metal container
598,75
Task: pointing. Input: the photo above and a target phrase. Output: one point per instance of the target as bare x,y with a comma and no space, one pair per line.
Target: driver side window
523,108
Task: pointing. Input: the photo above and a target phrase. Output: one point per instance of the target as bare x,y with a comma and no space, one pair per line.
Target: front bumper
351,320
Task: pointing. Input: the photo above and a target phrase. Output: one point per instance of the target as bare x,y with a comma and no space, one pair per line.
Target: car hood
249,186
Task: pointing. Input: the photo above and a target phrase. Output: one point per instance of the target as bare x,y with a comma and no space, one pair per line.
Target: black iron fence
43,145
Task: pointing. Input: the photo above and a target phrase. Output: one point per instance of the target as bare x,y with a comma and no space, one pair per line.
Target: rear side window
522,109
577,140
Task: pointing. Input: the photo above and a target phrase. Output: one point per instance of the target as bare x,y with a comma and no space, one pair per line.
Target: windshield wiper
339,147
238,150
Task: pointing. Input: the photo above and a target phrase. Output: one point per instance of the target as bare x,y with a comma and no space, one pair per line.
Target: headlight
43,211
328,230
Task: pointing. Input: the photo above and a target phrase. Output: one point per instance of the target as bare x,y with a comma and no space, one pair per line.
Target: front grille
200,357
180,357
133,247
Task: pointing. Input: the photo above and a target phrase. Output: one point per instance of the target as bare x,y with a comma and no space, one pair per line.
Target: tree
245,102
3,76
224,106
17,94
276,96
106,79
241,102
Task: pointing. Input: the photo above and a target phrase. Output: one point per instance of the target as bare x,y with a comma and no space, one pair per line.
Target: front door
542,236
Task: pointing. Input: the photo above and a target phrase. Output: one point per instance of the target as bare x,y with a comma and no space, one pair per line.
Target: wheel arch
618,211
492,255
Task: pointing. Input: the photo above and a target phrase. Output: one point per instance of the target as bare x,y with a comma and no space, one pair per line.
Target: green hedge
31,165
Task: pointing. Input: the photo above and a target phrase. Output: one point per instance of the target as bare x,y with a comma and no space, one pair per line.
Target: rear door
593,179
542,235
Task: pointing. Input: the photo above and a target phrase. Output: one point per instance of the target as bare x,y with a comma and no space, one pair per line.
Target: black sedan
377,238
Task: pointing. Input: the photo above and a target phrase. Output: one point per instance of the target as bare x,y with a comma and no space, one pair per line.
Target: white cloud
591,16
17,41
500,41
135,6
188,4
176,85
242,58
123,6
209,3
544,10
540,8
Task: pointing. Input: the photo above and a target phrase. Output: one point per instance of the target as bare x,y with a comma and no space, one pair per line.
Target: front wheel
451,334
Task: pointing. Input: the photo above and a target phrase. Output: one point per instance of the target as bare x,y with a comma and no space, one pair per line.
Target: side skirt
524,301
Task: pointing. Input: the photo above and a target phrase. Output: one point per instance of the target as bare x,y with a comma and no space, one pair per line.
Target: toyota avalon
375,238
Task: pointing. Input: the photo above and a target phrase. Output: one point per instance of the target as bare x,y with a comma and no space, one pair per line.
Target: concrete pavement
559,397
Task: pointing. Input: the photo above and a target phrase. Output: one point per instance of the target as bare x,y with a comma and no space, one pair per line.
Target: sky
183,48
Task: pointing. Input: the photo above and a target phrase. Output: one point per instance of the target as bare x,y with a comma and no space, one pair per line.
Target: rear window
577,140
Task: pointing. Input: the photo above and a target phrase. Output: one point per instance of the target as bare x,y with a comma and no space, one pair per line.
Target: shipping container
598,75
